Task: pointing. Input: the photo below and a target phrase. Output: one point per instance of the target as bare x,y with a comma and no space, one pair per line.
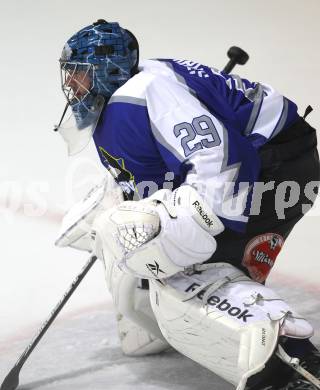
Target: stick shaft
58,308
230,65
24,356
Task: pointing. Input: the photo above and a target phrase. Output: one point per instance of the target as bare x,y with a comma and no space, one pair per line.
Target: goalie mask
94,63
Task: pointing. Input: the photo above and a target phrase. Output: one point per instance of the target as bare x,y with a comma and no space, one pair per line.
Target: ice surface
81,351
35,274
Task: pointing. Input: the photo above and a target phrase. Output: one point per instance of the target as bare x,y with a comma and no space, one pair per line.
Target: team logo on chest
260,255
117,168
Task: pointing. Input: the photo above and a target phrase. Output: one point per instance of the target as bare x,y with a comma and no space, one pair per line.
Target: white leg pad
137,327
223,320
137,341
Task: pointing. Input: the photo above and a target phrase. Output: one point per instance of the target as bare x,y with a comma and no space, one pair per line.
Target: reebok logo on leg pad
223,305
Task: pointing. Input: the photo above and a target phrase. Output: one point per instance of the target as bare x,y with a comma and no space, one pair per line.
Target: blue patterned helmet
94,63
110,49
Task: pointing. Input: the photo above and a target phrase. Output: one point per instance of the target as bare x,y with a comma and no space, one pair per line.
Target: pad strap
295,364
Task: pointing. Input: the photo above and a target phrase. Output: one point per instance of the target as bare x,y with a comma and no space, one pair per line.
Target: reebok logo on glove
154,269
223,305
202,213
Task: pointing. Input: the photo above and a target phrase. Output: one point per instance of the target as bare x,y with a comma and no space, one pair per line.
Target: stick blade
11,381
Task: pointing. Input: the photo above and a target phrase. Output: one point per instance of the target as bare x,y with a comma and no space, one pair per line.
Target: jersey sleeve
256,110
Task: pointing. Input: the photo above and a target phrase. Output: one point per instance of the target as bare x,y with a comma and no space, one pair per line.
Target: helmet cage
74,81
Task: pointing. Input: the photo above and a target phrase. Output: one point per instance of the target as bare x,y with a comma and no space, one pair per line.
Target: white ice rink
38,182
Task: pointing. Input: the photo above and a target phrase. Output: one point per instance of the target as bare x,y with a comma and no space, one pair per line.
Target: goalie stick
11,381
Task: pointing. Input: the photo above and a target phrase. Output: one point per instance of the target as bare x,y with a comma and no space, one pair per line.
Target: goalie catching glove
158,236
75,231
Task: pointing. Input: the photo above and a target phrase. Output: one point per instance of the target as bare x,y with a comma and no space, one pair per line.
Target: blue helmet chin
108,54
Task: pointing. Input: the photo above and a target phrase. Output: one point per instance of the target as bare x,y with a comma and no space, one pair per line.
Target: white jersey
181,122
